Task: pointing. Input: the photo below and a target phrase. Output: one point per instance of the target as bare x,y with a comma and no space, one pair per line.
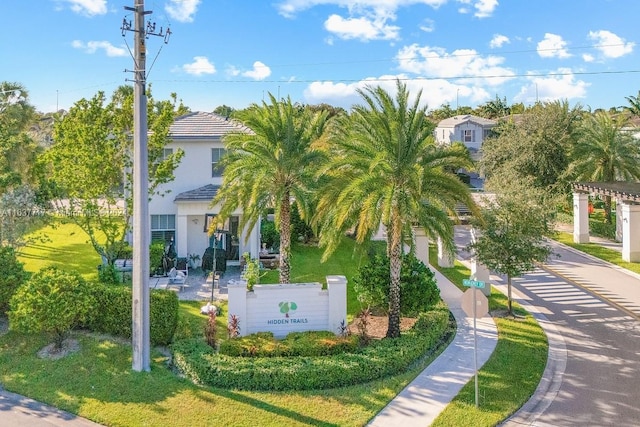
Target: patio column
422,245
580,218
445,259
182,236
630,232
619,220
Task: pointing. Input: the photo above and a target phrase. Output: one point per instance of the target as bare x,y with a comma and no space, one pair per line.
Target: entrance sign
285,308
473,284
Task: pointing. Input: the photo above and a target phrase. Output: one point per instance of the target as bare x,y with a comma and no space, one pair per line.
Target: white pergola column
631,233
182,235
619,220
479,271
422,245
580,218
445,259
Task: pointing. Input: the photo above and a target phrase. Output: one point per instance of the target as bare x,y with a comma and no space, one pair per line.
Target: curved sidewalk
421,401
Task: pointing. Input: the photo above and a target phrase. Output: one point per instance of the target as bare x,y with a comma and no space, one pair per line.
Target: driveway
591,311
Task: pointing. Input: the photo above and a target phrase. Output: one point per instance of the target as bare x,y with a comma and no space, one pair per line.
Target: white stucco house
471,130
184,211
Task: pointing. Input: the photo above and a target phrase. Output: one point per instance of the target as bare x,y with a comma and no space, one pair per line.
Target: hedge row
113,315
196,360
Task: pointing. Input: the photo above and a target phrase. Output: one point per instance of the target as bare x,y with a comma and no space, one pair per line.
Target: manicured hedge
112,314
382,358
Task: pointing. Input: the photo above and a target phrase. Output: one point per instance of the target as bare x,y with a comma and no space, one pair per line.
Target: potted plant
193,261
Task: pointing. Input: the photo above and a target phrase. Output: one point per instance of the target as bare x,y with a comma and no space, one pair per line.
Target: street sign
480,301
469,283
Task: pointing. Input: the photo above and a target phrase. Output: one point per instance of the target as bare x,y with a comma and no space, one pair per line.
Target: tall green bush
113,313
12,277
418,287
52,301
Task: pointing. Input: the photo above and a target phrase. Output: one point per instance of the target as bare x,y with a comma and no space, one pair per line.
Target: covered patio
627,196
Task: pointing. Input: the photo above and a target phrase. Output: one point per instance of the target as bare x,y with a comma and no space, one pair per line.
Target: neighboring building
184,212
471,130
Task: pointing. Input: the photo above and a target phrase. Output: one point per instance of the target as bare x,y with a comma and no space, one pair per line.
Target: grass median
512,373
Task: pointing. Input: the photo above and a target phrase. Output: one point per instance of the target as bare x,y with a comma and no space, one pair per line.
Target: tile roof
464,118
201,125
208,192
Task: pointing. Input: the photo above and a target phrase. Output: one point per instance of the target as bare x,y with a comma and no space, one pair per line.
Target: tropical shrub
382,358
418,288
311,343
269,234
12,277
52,301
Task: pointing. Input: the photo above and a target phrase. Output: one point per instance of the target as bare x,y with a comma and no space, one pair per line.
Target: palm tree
385,169
271,167
634,105
605,152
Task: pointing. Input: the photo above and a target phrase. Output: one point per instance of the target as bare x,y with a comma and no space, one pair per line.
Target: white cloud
429,61
498,40
609,44
88,7
587,57
361,28
435,92
428,26
259,72
553,46
562,85
94,46
485,8
182,10
289,8
199,66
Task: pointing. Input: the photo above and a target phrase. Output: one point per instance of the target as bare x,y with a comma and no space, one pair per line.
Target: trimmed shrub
52,301
599,228
114,310
195,359
418,287
269,234
311,343
13,276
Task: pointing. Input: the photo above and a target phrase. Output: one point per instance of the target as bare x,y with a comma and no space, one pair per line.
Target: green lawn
511,374
61,244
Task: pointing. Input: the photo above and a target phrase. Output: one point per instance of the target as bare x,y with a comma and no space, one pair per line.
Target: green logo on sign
287,307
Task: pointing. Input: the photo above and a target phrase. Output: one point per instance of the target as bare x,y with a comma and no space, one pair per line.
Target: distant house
184,213
469,129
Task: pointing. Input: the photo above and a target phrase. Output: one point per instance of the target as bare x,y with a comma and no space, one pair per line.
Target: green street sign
473,283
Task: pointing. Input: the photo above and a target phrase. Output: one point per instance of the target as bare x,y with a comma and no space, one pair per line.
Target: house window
166,152
163,228
216,155
469,135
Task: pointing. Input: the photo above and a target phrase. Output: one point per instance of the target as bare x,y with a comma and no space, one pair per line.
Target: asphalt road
598,336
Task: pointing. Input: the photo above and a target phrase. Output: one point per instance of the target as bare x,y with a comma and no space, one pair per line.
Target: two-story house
184,212
469,129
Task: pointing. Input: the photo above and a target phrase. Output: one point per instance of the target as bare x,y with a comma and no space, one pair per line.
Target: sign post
476,306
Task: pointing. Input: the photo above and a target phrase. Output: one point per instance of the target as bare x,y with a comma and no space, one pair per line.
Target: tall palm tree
271,167
634,105
605,152
385,169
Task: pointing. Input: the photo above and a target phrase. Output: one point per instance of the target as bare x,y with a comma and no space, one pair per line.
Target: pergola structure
627,195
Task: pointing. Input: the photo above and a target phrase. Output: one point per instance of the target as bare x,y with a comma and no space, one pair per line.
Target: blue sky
234,52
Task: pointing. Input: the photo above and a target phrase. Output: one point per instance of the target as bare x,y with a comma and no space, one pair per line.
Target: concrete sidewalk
420,403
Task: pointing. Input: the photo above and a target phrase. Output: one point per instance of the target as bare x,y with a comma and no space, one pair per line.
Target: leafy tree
605,152
271,166
535,147
444,112
90,164
52,301
418,288
385,169
494,109
20,212
513,229
224,110
12,278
